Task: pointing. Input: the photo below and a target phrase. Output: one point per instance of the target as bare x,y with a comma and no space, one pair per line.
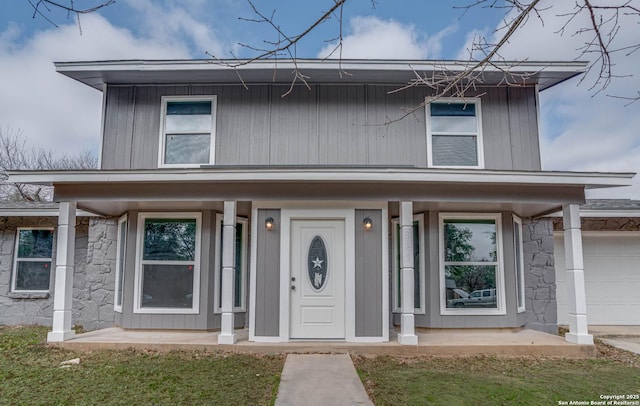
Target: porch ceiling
526,193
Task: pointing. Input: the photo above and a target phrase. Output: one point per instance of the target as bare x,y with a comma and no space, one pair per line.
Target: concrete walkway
631,344
320,379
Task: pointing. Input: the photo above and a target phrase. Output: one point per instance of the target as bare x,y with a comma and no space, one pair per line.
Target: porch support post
227,335
578,331
407,334
62,295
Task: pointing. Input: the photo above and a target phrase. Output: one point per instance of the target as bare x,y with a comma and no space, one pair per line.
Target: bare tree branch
16,155
40,7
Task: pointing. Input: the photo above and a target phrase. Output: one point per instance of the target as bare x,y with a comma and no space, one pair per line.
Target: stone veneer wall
540,276
93,283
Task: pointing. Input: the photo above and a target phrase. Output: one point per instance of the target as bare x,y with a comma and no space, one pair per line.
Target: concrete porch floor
438,343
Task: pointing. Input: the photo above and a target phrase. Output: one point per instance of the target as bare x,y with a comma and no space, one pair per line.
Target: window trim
163,114
478,134
137,289
14,270
520,290
120,254
218,263
500,284
394,264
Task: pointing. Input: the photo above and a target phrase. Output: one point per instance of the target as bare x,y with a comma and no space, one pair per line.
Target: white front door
317,279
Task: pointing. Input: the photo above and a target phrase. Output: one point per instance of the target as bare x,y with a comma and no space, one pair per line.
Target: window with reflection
32,260
470,264
169,262
454,135
188,136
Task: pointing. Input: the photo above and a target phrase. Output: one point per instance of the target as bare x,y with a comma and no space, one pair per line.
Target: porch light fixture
268,223
368,224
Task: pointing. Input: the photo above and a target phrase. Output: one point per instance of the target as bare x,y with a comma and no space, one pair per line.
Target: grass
31,374
499,381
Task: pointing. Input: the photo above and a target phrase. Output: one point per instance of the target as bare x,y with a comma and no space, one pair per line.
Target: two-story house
312,211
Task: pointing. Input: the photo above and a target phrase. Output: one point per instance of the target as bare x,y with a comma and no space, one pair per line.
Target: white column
407,334
65,249
227,336
578,332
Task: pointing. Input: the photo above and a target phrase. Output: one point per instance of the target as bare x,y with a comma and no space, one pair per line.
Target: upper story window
454,136
32,261
187,136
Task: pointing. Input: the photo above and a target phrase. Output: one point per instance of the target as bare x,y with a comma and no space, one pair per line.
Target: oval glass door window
317,263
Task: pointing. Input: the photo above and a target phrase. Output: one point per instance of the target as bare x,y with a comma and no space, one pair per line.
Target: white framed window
454,133
121,249
32,260
519,263
239,279
418,265
471,264
187,132
167,275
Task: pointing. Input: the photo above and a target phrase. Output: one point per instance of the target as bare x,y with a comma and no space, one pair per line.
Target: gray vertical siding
267,306
324,125
368,275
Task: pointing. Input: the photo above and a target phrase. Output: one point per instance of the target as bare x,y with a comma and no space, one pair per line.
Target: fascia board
587,179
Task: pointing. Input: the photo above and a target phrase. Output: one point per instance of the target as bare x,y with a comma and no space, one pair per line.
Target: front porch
439,343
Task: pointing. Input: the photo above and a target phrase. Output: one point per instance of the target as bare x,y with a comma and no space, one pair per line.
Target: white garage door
612,278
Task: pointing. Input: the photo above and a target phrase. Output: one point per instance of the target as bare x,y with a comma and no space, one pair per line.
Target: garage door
612,278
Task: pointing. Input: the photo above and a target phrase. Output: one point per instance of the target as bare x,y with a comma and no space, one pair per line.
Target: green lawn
30,374
499,381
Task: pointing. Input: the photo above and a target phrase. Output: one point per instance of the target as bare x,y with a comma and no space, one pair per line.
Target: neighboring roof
607,208
33,209
611,204
98,73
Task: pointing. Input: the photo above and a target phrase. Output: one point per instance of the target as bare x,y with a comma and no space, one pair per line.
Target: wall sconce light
268,223
368,224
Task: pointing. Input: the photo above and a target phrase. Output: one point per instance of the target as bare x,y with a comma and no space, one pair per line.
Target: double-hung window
471,266
418,265
454,133
168,263
187,136
32,260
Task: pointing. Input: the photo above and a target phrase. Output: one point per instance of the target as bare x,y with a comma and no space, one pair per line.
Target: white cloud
374,38
52,110
582,130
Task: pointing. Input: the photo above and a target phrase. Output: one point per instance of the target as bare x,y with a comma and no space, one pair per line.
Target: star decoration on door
317,263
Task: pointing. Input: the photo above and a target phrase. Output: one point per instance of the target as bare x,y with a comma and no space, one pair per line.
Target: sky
582,129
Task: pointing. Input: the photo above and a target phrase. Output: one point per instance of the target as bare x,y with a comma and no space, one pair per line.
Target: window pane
169,239
470,286
122,238
167,286
189,108
195,124
470,241
452,124
453,109
417,283
187,149
452,150
33,275
35,243
237,279
518,244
